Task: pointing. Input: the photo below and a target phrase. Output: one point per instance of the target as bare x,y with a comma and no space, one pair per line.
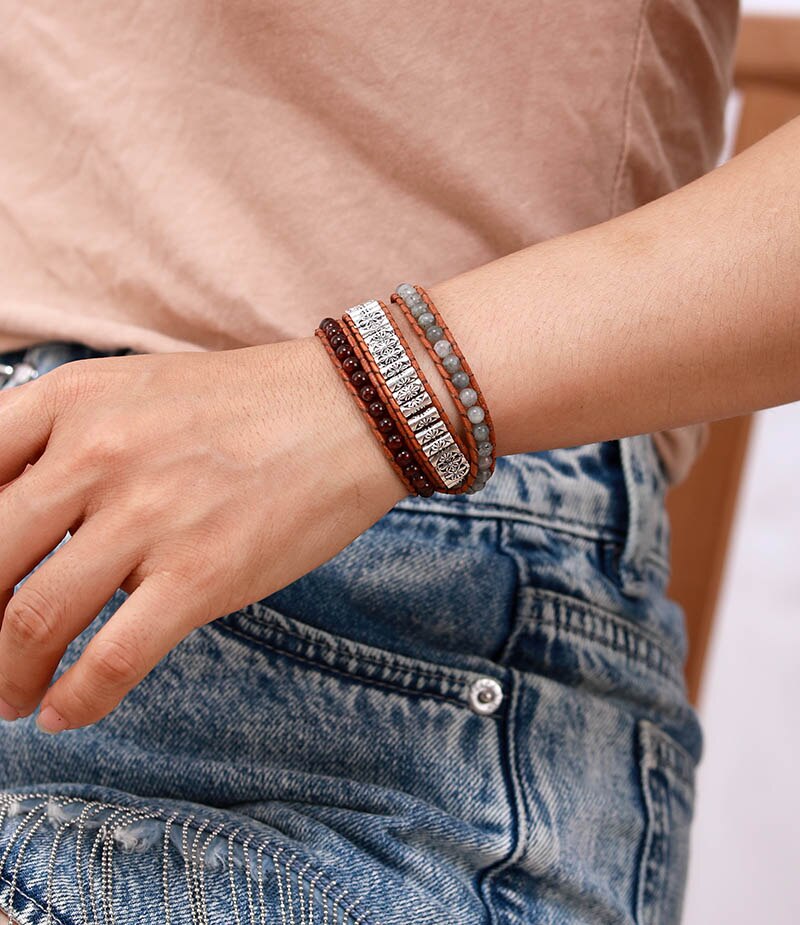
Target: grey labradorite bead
451,363
460,379
485,462
406,289
468,397
484,449
480,431
442,347
418,308
434,333
425,320
475,414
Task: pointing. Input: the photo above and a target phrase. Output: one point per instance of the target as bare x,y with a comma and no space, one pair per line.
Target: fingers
25,424
155,617
36,510
55,603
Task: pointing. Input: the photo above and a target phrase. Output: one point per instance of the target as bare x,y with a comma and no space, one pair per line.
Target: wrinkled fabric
328,754
179,176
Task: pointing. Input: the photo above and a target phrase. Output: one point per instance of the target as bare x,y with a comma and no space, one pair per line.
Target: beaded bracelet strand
392,406
417,410
345,357
423,316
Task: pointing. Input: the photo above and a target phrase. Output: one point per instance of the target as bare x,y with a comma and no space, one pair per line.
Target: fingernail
8,712
49,721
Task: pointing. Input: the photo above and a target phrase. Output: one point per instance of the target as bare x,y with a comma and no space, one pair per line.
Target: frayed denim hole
188,847
140,835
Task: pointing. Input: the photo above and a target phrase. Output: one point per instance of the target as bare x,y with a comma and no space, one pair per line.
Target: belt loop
645,486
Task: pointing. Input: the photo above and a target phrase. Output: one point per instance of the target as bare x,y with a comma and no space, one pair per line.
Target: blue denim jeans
474,713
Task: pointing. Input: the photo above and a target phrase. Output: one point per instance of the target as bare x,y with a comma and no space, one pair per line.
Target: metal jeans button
485,695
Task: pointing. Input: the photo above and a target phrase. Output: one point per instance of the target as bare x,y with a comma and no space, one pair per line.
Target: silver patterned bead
406,375
423,419
366,312
379,336
415,405
438,444
427,434
409,391
452,466
394,367
388,350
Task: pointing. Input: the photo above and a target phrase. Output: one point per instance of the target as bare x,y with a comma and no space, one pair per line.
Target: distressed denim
474,714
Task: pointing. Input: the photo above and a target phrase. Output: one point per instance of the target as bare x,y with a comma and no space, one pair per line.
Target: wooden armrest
768,50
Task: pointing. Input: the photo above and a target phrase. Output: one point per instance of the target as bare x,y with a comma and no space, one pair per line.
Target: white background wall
745,866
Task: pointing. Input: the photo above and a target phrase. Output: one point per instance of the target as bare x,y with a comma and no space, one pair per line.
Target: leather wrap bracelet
380,370
417,410
459,379
357,378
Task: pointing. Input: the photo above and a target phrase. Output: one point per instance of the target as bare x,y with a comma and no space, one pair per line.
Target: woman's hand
196,482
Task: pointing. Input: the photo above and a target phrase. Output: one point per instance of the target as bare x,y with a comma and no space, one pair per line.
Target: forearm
687,309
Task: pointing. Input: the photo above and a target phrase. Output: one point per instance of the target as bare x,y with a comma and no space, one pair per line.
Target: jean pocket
462,680
667,779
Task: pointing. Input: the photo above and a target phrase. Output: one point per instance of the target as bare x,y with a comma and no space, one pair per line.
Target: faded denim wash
474,714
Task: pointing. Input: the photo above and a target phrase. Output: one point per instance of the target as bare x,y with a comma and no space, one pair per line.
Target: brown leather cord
446,334
337,362
400,419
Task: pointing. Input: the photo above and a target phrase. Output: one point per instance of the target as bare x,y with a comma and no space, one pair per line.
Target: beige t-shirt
178,175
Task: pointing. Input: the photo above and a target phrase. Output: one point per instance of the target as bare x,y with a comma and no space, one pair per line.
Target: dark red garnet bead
426,491
385,426
412,471
329,325
344,351
420,481
377,409
359,378
368,394
403,457
394,441
338,340
351,364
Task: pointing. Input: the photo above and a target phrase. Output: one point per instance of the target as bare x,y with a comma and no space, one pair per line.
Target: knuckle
114,665
100,447
64,385
73,379
32,618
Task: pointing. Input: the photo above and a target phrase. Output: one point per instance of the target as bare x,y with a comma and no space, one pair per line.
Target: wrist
346,437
